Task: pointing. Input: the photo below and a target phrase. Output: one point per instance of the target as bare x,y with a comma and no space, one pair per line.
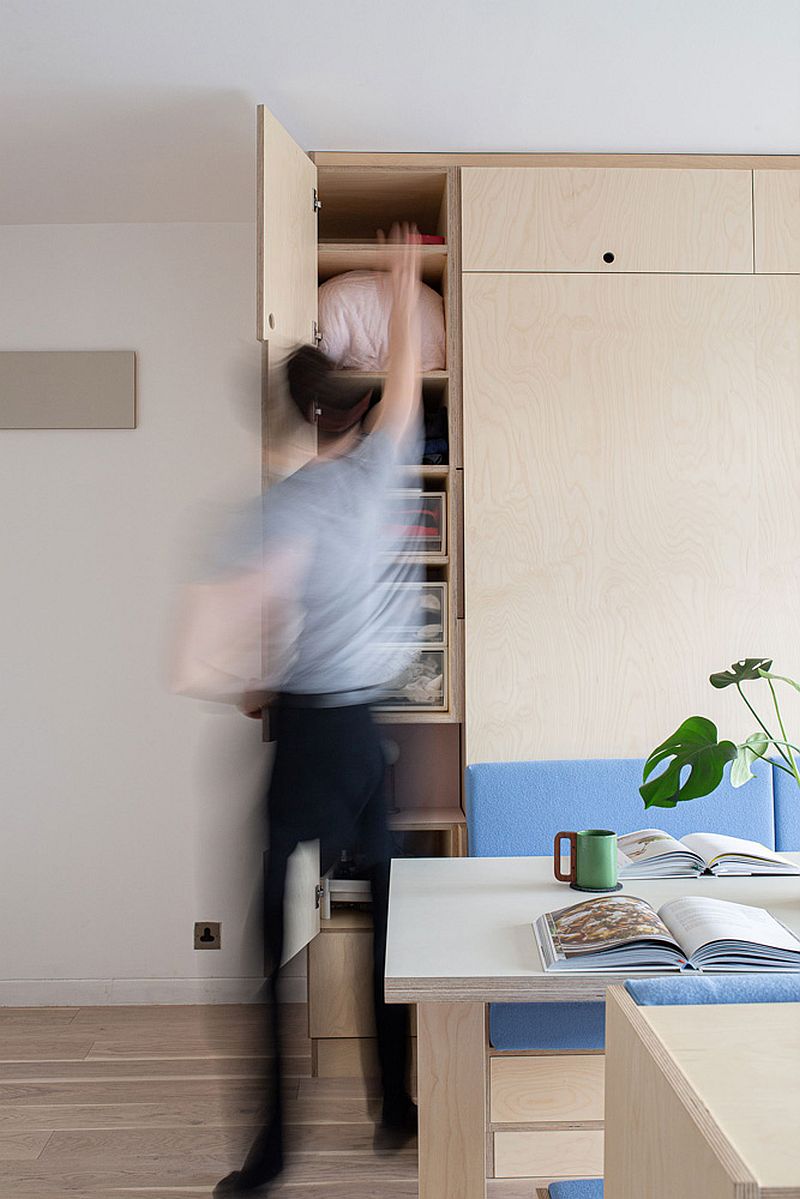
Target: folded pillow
354,313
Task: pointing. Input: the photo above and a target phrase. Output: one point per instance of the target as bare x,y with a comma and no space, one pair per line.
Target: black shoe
236,1186
398,1126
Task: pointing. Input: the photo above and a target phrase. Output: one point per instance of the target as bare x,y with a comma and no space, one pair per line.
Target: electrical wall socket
208,934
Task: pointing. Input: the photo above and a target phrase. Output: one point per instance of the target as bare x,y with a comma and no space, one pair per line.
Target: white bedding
354,311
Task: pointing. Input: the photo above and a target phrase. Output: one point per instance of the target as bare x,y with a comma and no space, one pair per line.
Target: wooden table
460,937
702,1102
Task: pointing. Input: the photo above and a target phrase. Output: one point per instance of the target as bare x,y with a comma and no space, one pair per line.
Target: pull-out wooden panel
340,983
568,219
561,1087
777,221
613,545
573,1153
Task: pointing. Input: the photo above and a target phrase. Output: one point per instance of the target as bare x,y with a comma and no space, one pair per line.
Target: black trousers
327,785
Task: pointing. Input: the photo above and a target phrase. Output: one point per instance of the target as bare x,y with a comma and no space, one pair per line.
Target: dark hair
335,404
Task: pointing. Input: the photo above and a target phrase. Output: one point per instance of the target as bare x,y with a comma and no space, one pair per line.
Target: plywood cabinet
606,219
776,196
611,507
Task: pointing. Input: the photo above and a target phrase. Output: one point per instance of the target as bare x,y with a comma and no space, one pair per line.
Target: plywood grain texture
776,204
566,219
629,488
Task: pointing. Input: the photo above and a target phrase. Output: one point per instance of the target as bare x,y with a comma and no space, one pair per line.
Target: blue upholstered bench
515,808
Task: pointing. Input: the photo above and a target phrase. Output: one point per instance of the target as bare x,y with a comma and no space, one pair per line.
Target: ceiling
143,110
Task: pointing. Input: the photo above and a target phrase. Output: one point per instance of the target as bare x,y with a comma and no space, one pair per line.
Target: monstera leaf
696,746
747,671
754,747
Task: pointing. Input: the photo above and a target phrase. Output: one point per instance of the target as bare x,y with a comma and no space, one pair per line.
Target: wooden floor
160,1102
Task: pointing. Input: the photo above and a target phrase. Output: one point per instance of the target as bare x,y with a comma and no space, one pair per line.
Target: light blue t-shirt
337,510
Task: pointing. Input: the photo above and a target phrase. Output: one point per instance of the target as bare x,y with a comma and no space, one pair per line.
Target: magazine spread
652,853
620,933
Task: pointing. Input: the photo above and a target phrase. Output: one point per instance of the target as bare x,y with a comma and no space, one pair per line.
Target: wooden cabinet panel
567,219
575,1153
287,235
776,197
614,550
527,1090
340,984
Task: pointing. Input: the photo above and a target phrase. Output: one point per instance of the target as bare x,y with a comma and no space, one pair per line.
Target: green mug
592,859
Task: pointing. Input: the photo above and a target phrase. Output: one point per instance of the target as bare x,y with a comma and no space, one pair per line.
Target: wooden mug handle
573,857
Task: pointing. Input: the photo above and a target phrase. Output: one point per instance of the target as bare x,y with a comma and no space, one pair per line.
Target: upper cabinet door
777,220
287,236
607,219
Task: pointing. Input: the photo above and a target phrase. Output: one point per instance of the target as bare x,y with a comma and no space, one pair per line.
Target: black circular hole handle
608,256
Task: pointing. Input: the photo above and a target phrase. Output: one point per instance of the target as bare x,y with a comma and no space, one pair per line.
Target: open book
620,933
651,853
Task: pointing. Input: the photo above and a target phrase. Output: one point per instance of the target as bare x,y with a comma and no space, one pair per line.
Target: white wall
128,813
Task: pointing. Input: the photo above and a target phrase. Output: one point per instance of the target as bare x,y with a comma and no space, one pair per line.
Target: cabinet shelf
336,257
418,819
433,381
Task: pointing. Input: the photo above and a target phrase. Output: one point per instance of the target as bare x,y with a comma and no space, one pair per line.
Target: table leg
451,1091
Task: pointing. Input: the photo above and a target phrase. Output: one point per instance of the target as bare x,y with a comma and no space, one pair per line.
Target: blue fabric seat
515,808
688,991
579,1188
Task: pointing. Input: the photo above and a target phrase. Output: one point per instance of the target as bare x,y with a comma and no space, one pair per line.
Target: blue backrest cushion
787,812
688,991
515,808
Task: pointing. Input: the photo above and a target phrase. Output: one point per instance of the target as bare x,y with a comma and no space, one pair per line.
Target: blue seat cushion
579,1188
515,808
547,1025
744,988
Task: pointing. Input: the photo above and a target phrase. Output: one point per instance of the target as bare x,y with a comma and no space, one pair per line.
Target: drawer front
570,1154
340,1000
777,221
530,1090
568,219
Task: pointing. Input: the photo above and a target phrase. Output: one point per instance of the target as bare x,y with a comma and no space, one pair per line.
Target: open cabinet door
301,899
287,286
287,315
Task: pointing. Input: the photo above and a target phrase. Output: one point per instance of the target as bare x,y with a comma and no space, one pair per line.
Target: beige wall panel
526,1090
73,389
776,197
568,1154
340,985
614,501
566,219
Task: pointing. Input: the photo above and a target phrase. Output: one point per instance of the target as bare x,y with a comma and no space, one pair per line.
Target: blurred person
311,563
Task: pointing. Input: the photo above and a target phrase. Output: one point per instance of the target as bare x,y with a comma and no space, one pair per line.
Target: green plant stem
772,761
790,764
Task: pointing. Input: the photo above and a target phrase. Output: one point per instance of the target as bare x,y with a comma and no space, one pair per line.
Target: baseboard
101,992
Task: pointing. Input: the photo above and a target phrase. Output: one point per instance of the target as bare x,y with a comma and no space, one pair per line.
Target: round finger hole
271,319
608,256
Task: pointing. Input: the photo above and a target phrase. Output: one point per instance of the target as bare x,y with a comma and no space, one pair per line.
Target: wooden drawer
562,1087
569,1154
340,983
567,219
777,221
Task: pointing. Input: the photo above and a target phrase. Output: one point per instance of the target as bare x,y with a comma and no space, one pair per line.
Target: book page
647,843
710,846
696,920
604,923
